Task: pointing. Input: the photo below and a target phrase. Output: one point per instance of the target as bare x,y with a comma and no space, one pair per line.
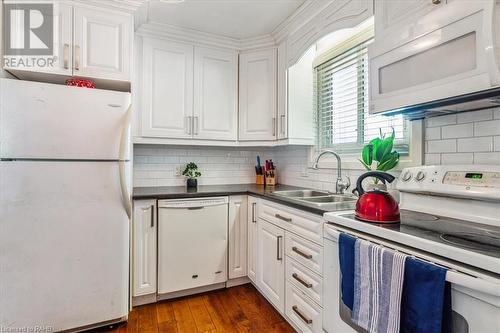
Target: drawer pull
301,315
286,219
279,256
304,283
299,252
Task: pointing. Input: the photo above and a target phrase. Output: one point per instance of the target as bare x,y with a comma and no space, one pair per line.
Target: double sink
321,199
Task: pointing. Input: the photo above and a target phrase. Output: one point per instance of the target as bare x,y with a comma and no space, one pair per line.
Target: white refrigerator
64,205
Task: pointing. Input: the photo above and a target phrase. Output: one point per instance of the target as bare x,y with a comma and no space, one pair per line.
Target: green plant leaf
389,163
375,144
367,154
384,148
367,167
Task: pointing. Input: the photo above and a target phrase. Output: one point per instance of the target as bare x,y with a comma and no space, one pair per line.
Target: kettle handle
376,174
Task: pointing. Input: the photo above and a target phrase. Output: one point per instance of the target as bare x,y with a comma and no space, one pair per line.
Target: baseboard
192,291
237,282
144,299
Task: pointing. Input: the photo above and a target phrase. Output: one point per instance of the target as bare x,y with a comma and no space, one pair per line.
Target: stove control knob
420,176
406,176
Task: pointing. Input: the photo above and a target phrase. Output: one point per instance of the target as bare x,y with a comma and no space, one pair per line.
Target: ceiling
231,18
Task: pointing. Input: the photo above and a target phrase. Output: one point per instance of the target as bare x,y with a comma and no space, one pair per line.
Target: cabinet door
215,94
237,236
394,14
144,247
167,89
103,44
258,95
252,239
61,58
282,92
271,267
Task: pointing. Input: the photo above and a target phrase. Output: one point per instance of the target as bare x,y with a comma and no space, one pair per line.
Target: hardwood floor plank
183,317
239,309
200,314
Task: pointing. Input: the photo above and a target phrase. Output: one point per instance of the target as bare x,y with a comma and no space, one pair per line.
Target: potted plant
191,172
379,150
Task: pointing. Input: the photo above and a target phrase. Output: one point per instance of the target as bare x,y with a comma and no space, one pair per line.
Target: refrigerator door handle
124,142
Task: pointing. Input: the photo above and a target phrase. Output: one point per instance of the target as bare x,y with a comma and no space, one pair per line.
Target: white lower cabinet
237,236
252,252
144,226
305,314
270,263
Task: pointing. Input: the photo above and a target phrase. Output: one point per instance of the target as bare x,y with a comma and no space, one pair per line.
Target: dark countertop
176,192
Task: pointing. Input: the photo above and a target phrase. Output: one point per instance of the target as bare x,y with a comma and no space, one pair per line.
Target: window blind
343,120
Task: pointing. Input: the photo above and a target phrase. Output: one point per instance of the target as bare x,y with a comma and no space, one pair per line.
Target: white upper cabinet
391,16
88,42
167,89
144,247
215,94
237,236
257,119
102,44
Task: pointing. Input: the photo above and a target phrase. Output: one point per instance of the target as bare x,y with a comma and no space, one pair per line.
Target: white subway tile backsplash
485,128
433,133
457,131
441,121
457,158
487,158
442,146
475,144
474,116
432,159
496,144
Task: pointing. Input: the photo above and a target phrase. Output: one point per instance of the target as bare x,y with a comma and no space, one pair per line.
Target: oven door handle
460,279
473,283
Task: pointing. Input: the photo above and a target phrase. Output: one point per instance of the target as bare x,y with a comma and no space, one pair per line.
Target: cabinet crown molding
171,32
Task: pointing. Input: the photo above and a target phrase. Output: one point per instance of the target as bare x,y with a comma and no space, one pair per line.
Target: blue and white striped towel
378,285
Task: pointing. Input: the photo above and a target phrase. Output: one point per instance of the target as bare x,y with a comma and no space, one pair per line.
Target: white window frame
415,154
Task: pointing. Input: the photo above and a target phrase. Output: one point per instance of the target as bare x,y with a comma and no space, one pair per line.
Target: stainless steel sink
330,199
321,199
301,193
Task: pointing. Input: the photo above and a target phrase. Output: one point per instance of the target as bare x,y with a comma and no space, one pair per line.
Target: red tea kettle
376,206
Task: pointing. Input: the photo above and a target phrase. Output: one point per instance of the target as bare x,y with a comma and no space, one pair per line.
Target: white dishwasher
192,243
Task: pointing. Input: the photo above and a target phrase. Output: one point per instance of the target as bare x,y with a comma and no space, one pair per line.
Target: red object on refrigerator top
376,206
84,83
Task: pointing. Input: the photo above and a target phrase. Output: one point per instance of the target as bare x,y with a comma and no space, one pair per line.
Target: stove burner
473,241
419,217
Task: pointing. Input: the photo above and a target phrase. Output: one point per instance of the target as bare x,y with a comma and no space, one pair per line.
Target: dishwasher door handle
195,208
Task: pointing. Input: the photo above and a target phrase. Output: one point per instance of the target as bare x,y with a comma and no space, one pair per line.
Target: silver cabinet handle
303,282
283,130
189,125
77,57
152,216
286,219
300,253
196,125
254,204
436,2
66,56
274,126
301,315
278,248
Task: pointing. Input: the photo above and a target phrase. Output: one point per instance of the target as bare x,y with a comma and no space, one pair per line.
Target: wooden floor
237,309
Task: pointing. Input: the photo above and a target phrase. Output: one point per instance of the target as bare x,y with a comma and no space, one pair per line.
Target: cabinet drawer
304,279
305,252
305,224
302,311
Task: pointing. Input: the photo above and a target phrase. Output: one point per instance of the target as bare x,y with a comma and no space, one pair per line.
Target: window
344,123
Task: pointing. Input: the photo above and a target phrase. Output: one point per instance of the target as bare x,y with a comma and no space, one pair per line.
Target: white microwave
452,58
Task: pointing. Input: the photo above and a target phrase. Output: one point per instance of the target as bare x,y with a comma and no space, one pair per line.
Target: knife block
271,178
259,180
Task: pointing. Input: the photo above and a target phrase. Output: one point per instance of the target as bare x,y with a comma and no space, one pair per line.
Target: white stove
450,215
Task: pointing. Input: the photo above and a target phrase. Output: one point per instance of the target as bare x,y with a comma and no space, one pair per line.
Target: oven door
455,58
475,302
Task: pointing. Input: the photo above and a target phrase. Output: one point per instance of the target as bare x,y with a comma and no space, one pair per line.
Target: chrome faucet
340,185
